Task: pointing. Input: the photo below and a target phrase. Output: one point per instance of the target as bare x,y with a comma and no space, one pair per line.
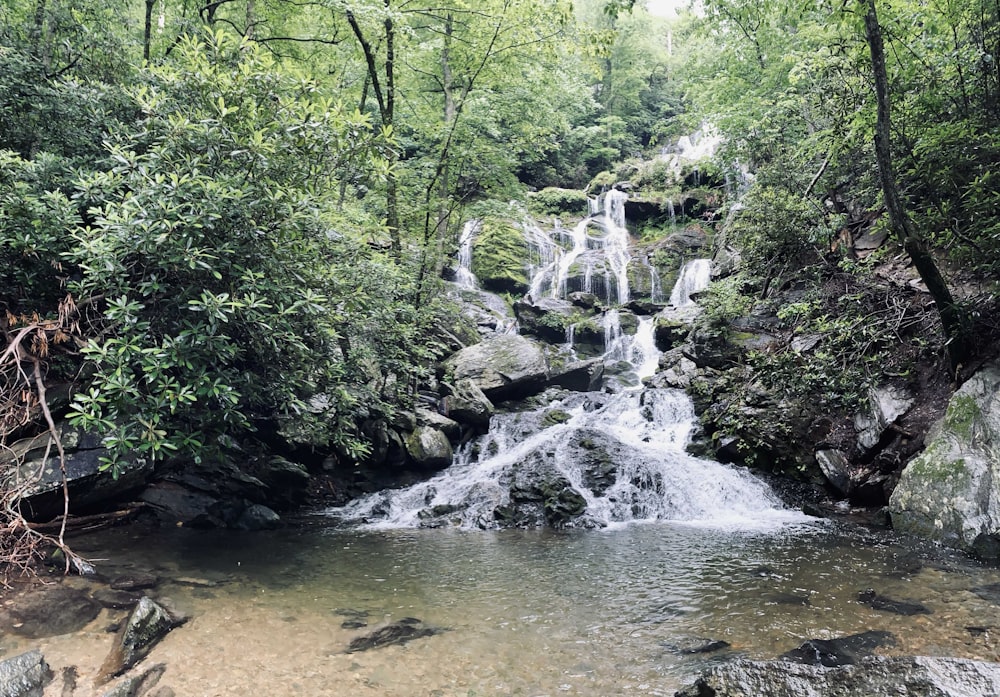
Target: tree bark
899,219
147,30
385,95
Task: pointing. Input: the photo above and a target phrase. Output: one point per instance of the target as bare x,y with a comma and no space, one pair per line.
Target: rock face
25,675
502,367
467,404
951,491
910,676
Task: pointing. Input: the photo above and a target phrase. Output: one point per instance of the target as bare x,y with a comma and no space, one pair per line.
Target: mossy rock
555,416
498,257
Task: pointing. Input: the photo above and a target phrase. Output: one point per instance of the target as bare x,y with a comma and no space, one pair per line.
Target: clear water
527,613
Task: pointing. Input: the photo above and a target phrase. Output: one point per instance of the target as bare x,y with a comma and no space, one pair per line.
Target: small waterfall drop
464,276
695,276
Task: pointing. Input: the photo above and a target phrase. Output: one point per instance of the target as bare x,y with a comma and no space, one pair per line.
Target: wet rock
399,632
918,676
841,651
579,376
429,448
546,318
951,491
503,367
257,516
670,332
134,582
353,624
467,404
138,685
899,607
146,625
49,611
833,463
25,675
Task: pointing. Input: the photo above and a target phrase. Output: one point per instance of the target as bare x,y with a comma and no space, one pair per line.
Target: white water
695,276
645,433
609,249
464,276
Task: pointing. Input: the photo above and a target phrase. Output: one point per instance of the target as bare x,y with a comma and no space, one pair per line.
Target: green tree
234,292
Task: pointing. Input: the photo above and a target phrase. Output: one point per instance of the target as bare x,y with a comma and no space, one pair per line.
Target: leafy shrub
233,291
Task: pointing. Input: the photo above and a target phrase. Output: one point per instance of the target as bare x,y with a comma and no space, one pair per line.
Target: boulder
429,448
467,404
579,376
833,463
886,404
670,331
146,625
503,367
951,492
913,676
25,675
257,516
439,422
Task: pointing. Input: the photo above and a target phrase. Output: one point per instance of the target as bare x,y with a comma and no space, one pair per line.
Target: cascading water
609,458
464,276
695,276
589,459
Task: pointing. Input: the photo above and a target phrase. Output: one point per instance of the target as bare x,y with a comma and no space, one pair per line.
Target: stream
534,613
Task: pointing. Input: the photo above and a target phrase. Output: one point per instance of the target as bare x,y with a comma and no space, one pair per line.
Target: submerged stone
900,607
49,611
841,651
399,632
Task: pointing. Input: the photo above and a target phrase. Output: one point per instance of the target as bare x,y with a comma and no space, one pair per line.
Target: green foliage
555,201
234,291
34,218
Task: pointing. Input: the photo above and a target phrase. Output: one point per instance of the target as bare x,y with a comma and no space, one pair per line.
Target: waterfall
588,459
694,276
607,213
464,276
623,454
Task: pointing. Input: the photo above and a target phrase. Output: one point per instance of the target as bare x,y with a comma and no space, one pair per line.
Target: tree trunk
899,220
147,30
385,95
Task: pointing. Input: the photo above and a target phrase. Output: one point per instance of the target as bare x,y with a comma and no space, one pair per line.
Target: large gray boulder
917,676
467,404
951,491
25,675
503,367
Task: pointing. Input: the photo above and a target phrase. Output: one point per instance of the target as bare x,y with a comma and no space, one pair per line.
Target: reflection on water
527,613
